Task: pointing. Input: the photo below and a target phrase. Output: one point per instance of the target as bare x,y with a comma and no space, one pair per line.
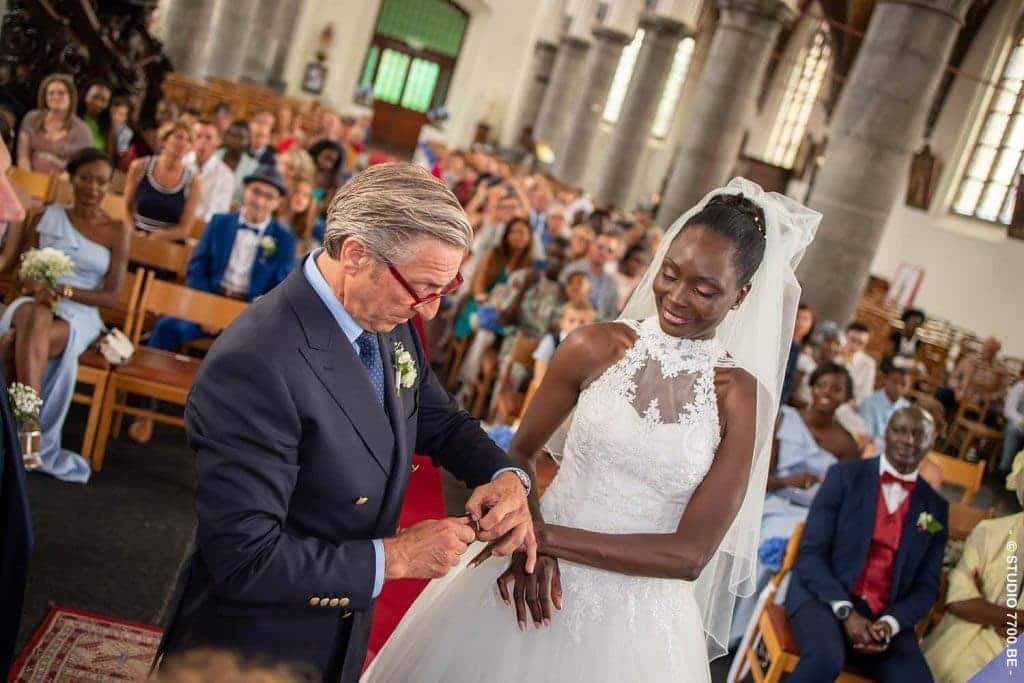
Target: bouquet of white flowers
45,265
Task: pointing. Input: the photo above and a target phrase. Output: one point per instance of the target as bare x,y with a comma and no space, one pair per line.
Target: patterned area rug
72,645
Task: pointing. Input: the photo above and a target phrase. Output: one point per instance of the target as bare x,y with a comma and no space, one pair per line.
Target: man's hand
501,511
427,550
537,594
804,480
858,630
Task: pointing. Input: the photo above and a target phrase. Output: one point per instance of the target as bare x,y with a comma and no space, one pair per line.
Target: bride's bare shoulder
594,348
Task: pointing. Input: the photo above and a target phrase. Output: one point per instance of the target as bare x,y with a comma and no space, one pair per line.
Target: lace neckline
671,350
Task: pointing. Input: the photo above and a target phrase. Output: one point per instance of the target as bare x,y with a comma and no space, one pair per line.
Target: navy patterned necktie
369,354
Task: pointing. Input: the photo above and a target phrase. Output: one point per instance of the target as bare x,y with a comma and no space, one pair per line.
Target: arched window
673,88
623,74
802,90
669,96
987,188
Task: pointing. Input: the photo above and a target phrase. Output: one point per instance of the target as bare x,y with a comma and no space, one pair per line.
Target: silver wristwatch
524,478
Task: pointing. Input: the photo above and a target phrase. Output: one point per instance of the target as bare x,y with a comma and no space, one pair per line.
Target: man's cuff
893,624
520,472
836,604
378,576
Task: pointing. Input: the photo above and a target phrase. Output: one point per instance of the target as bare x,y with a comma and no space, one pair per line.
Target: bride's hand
539,593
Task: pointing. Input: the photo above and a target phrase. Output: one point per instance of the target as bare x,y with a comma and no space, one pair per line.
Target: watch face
843,612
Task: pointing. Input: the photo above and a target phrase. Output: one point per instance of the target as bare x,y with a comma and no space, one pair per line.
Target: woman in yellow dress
974,628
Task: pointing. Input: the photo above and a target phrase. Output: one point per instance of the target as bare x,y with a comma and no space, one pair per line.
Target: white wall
973,271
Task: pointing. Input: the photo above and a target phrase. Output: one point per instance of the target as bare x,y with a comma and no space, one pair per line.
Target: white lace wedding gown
632,459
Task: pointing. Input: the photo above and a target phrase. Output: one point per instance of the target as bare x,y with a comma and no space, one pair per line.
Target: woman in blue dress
43,343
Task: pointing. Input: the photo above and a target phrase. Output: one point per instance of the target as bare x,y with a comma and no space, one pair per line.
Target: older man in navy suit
304,418
241,255
870,562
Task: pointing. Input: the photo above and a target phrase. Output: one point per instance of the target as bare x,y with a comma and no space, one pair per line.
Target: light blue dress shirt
876,409
351,329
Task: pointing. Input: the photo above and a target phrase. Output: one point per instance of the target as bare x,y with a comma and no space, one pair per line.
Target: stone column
543,61
287,26
188,27
263,38
877,123
229,39
661,39
725,100
597,79
562,91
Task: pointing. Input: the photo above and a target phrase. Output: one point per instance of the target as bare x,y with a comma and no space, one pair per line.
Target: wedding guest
223,117
166,112
298,214
976,379
803,327
604,290
539,200
577,287
534,296
903,343
13,204
581,238
121,133
94,113
328,157
216,179
826,350
575,315
240,255
52,133
261,131
982,595
235,154
296,165
862,367
42,341
845,604
879,406
501,208
1013,432
630,271
161,192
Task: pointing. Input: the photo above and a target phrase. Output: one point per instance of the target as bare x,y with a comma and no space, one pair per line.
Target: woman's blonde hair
69,83
171,127
299,164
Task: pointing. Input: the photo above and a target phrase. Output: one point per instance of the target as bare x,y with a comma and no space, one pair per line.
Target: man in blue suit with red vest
240,255
870,562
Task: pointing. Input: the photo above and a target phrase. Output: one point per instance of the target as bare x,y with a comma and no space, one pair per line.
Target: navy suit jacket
837,537
15,534
210,258
298,469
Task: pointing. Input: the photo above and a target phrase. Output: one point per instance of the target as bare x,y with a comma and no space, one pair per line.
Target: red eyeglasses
418,300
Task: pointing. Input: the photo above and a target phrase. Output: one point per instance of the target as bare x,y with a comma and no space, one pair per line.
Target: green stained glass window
371,64
390,76
420,86
424,24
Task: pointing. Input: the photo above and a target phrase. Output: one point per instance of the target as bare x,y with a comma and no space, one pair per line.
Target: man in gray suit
304,418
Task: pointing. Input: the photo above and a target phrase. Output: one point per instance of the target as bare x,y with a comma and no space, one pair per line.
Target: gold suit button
344,602
334,602
314,601
362,500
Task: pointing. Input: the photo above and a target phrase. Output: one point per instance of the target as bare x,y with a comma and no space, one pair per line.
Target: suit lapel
869,492
391,507
335,363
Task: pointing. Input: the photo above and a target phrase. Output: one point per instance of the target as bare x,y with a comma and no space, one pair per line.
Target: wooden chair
781,649
157,374
94,368
39,186
520,351
160,254
963,518
971,429
114,205
961,473
195,230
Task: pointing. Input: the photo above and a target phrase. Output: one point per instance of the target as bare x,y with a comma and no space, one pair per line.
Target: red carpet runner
423,500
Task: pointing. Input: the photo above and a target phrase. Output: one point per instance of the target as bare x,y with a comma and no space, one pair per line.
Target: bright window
623,74
802,90
673,88
987,189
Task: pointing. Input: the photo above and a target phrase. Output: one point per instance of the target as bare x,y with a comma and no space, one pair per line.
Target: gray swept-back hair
390,207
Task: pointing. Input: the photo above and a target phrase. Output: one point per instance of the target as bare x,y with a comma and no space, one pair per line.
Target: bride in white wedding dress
649,530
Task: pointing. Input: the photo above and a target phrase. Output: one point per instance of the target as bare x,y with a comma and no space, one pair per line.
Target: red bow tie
890,478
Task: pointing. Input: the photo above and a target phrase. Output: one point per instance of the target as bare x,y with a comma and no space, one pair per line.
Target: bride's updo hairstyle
742,221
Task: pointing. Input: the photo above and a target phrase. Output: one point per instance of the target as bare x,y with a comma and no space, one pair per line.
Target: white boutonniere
405,368
927,522
269,246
